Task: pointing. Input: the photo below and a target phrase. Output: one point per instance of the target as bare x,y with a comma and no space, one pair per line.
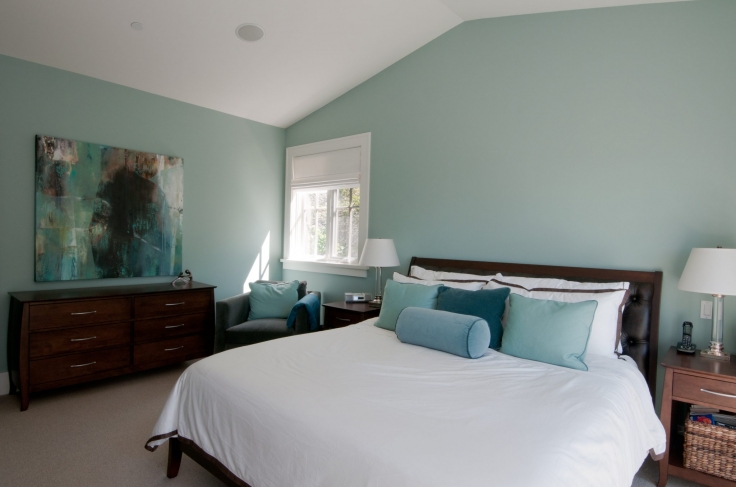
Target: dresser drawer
161,328
172,304
78,364
700,390
45,316
79,339
182,348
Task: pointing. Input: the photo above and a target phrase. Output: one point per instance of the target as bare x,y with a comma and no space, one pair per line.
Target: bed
356,407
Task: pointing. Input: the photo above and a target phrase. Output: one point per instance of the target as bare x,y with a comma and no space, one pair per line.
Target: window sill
352,270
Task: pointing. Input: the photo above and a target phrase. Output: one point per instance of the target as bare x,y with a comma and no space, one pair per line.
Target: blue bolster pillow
463,335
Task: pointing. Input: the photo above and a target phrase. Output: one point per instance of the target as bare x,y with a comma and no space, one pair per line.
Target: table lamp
379,252
712,271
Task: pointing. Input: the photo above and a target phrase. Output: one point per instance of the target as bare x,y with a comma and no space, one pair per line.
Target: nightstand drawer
341,314
700,390
337,318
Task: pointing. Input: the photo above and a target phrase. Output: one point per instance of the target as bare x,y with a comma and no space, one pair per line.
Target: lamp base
715,352
376,302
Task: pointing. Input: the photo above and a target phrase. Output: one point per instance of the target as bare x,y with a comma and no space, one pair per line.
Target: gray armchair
232,328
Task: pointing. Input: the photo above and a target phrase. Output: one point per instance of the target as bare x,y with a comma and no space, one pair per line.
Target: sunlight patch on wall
259,270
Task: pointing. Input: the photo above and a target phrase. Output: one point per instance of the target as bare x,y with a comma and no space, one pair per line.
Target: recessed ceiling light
249,32
136,26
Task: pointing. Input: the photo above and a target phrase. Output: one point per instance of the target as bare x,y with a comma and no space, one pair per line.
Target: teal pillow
272,300
548,331
463,335
398,296
488,304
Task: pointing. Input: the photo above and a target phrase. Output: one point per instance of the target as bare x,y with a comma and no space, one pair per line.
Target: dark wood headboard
640,328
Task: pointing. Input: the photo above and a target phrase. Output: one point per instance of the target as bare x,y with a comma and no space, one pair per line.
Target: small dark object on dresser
185,277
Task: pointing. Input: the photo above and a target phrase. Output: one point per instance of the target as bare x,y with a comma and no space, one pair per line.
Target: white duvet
356,407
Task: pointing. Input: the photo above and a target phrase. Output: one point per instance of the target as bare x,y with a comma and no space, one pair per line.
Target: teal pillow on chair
548,331
398,296
272,300
463,335
488,304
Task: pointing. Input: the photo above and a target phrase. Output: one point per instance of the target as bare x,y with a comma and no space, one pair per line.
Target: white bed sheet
356,407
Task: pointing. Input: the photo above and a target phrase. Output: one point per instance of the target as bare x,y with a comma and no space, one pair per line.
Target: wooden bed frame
640,331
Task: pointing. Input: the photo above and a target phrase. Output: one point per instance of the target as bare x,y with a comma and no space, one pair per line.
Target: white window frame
361,142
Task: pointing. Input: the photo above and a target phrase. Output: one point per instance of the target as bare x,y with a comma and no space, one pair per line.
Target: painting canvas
106,212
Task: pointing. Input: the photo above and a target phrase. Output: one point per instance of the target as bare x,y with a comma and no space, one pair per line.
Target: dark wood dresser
63,337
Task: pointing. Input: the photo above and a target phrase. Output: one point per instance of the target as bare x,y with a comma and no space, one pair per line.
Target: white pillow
531,283
422,273
467,285
606,328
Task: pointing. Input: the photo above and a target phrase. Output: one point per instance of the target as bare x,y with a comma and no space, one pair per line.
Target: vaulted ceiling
313,50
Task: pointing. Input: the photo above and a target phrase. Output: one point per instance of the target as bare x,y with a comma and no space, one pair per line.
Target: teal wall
233,173
597,138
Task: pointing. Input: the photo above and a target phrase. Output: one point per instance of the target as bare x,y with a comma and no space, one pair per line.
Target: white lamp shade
710,271
379,252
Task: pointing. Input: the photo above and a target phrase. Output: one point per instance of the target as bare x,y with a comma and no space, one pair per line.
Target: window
327,225
326,217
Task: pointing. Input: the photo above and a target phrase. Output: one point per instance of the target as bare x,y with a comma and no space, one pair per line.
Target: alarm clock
357,297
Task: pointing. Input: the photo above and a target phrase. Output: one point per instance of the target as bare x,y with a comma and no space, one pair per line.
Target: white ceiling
313,51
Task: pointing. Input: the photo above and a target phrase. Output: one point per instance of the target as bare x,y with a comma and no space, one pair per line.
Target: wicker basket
710,449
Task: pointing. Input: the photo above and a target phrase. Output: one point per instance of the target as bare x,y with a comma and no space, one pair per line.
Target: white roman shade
327,170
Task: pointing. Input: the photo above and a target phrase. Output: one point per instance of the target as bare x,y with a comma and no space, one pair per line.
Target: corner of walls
4,383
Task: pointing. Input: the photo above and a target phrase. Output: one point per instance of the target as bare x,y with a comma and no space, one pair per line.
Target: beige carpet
93,435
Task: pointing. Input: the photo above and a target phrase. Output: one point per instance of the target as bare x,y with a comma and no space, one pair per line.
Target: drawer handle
343,319
83,339
718,393
174,304
172,349
84,313
82,365
174,326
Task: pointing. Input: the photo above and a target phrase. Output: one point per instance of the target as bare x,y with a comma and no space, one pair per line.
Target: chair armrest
302,325
229,312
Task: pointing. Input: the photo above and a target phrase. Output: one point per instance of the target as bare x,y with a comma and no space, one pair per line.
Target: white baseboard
4,383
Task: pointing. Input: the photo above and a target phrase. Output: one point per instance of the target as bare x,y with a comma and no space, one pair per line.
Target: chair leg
172,470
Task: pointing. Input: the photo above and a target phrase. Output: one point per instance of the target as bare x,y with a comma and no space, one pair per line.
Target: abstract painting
106,212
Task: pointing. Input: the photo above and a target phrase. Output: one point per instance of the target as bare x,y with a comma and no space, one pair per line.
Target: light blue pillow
272,300
463,335
548,331
398,296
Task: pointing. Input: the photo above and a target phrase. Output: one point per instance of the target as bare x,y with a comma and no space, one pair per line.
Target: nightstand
341,314
690,379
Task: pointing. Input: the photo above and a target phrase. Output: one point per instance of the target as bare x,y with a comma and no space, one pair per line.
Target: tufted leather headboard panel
640,327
